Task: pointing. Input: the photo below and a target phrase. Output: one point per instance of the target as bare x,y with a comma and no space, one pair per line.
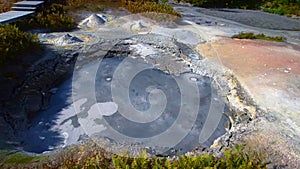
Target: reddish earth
270,72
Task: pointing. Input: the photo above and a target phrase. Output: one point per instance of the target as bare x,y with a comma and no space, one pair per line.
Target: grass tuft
251,35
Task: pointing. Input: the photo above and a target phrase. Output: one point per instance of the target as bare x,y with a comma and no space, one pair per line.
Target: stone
193,56
271,117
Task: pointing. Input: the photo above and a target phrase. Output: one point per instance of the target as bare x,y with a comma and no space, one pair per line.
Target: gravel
254,18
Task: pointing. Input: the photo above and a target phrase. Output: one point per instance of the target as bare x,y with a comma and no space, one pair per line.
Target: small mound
67,40
139,26
93,21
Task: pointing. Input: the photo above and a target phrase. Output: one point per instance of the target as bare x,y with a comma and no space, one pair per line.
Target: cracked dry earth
258,81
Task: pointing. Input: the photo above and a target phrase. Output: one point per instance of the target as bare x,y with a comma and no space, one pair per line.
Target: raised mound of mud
67,40
93,21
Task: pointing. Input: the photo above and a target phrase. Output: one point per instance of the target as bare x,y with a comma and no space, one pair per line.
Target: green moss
250,35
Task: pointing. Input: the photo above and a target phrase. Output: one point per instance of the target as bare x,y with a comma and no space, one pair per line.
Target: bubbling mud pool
130,102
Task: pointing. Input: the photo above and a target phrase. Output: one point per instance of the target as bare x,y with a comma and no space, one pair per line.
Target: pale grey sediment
75,111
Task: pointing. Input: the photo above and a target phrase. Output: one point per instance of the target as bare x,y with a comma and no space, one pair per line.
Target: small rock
194,79
243,130
193,56
270,117
287,70
108,79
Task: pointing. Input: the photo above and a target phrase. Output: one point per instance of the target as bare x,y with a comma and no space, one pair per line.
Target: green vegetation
90,155
134,6
235,158
54,18
89,5
19,158
14,42
250,35
282,7
140,6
